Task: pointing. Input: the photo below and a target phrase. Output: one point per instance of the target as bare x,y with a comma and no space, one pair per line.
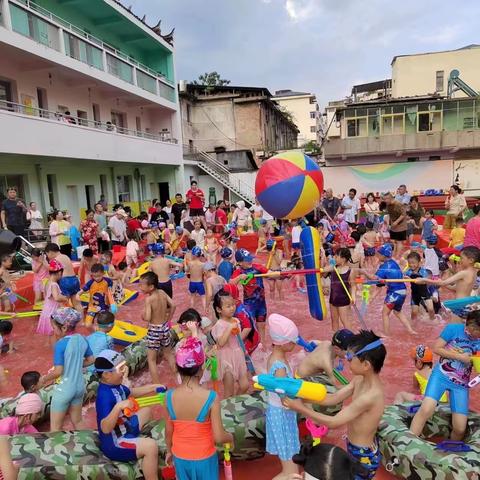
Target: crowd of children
233,328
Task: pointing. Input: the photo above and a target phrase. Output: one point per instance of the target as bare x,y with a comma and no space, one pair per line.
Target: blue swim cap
243,255
270,244
385,250
226,252
432,239
158,248
196,251
179,229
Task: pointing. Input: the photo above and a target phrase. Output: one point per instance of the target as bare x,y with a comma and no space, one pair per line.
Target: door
138,126
90,195
164,190
72,204
5,94
82,118
119,120
96,115
42,102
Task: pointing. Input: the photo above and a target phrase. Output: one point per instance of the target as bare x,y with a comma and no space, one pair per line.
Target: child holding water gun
231,359
281,424
455,346
194,421
423,359
119,435
40,273
71,354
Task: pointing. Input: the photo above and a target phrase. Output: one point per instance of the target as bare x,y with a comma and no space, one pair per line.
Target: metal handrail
82,122
220,170
91,38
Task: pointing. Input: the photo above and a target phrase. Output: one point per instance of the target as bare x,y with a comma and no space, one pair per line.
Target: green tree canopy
211,79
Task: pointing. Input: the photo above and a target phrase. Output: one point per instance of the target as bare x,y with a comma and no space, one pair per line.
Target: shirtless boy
322,359
5,264
161,266
366,355
69,283
196,286
464,279
158,312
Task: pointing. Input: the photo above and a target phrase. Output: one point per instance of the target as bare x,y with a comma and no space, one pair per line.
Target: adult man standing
402,195
221,216
177,208
118,227
398,222
196,200
331,204
101,218
351,207
13,213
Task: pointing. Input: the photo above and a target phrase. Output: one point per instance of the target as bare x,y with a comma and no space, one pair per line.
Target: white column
61,41
134,76
5,11
104,60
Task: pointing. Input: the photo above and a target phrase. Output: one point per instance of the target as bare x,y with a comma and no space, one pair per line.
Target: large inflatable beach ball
289,185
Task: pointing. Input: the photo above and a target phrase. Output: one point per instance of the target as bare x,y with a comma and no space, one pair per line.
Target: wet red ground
34,353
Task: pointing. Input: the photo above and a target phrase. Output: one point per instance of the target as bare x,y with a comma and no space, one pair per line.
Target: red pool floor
35,353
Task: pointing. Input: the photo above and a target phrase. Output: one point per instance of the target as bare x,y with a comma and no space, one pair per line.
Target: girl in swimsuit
341,278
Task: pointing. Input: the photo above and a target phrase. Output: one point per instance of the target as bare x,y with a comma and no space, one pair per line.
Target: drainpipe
136,175
38,172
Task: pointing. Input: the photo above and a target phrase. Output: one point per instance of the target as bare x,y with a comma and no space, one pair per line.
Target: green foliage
211,79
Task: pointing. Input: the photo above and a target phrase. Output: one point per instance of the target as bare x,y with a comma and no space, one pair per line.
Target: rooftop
372,86
291,93
232,89
466,47
396,100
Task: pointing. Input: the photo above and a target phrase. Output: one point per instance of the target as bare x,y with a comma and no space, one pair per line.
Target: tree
211,79
287,113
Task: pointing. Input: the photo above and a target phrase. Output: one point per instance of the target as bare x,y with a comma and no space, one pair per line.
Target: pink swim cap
29,403
190,353
282,329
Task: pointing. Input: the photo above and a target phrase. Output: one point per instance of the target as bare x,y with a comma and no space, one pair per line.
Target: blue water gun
307,346
290,387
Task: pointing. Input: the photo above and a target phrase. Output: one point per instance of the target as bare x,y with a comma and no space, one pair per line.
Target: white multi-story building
115,77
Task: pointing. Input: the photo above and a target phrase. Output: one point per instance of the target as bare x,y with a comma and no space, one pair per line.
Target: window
439,80
96,114
313,100
392,124
189,113
83,51
119,69
146,82
313,129
313,114
123,188
357,127
429,121
103,186
52,190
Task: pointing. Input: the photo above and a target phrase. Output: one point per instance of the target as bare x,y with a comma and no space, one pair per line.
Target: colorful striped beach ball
289,185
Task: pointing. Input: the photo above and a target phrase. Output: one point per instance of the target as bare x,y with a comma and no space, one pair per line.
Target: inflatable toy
408,456
461,306
128,296
125,333
310,243
289,185
76,454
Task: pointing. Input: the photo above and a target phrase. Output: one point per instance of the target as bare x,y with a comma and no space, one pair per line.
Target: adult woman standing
472,229
100,218
60,233
398,223
455,205
89,229
168,210
416,212
372,210
35,218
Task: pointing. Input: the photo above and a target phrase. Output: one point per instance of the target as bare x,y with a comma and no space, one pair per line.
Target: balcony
407,143
45,28
51,134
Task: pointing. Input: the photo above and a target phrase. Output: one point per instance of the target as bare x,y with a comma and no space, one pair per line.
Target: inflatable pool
125,333
135,355
414,458
128,296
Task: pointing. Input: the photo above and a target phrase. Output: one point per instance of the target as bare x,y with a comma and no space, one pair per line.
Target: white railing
65,25
235,184
71,120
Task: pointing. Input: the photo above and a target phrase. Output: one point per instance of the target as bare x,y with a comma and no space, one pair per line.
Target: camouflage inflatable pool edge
416,458
135,355
76,455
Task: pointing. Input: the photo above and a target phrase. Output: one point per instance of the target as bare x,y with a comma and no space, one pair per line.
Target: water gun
138,403
476,365
418,245
212,366
307,346
251,276
458,305
174,259
316,431
227,464
291,387
13,296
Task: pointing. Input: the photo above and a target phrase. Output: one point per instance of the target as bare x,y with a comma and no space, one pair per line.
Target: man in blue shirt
456,346
402,195
119,434
396,291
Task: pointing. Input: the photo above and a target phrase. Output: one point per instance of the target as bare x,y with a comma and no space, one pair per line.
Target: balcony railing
45,27
73,121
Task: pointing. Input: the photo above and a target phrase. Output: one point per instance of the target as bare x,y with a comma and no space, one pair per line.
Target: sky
319,46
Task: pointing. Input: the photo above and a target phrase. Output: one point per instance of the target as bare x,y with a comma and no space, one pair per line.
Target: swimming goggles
371,346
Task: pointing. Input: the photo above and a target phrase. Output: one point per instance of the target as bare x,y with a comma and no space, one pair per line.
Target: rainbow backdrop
380,172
